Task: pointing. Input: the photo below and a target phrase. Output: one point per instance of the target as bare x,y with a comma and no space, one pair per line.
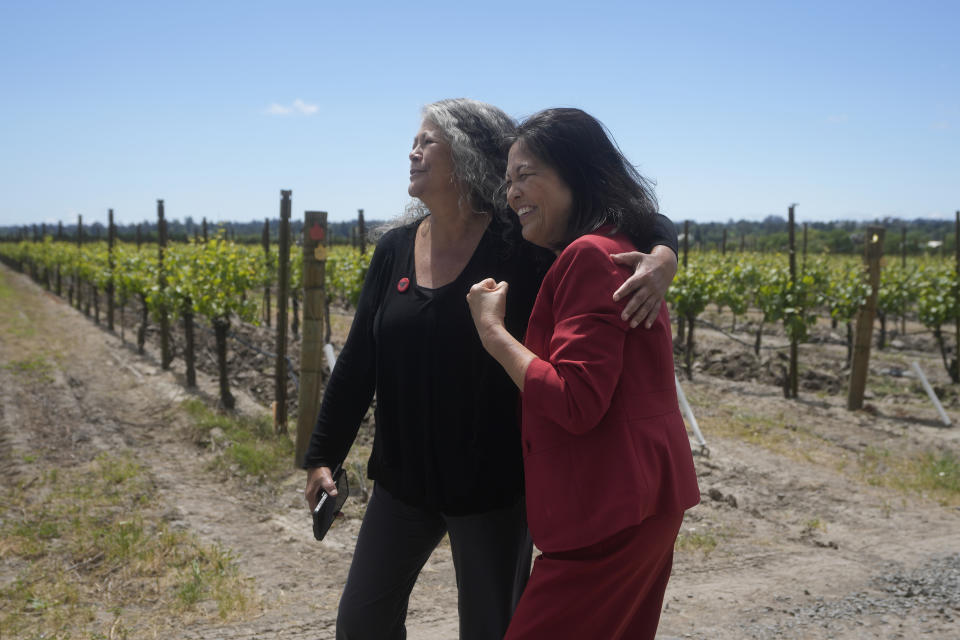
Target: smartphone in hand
328,507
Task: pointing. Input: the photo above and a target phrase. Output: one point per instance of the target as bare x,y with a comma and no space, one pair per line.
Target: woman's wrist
492,335
508,351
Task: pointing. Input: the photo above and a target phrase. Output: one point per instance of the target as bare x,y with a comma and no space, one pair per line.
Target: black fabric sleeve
352,383
662,232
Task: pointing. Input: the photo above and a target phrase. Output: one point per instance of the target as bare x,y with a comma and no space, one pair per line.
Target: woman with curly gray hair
446,456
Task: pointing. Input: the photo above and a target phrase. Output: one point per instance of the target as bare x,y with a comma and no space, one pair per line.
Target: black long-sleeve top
447,421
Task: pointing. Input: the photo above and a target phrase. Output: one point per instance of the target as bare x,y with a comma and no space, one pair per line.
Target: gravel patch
927,597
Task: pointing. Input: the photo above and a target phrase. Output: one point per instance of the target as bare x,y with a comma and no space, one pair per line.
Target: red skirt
612,589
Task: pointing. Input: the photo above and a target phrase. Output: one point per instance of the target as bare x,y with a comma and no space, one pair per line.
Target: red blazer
603,448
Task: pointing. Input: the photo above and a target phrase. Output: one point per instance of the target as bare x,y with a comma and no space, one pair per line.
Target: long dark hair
606,188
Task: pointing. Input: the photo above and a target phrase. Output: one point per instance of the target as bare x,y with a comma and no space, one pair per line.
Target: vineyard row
222,280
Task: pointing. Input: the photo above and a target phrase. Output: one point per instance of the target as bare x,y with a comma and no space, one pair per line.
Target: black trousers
491,554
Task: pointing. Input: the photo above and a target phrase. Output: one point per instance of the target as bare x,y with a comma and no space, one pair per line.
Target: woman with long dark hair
446,453
607,463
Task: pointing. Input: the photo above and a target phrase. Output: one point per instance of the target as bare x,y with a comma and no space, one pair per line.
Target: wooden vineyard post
903,247
46,269
861,347
74,278
189,344
59,274
362,232
165,356
35,238
803,265
265,239
955,374
94,293
283,287
87,298
326,319
723,243
903,264
189,335
793,375
111,238
681,325
311,344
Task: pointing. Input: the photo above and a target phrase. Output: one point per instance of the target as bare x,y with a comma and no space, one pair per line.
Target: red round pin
403,284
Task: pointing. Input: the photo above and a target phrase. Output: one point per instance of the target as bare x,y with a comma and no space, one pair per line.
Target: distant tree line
767,235
837,237
177,231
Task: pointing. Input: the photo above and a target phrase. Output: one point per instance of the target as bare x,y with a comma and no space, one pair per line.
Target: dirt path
104,397
789,542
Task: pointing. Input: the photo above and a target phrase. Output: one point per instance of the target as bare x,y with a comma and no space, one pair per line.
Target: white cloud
941,126
298,107
278,110
838,119
304,108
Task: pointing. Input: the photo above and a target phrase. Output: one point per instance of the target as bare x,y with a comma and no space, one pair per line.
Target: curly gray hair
477,133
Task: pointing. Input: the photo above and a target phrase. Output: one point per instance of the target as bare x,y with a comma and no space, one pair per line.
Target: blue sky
735,109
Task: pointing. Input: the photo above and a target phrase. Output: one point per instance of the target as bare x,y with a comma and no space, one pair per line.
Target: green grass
934,474
6,293
696,540
14,322
774,434
248,444
87,541
36,369
815,524
211,575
